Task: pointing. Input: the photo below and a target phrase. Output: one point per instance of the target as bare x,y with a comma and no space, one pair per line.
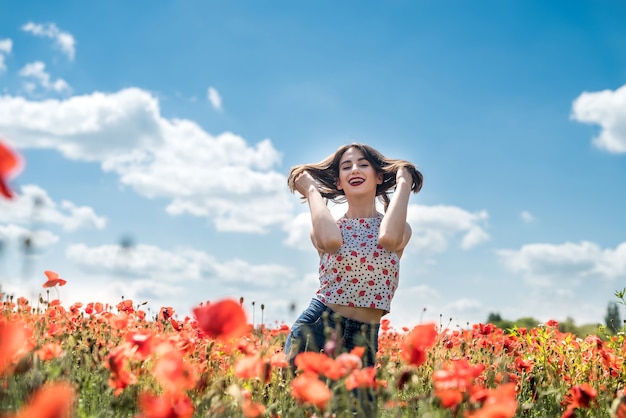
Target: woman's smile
356,181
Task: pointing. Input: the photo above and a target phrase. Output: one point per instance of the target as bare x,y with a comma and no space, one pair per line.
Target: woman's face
356,173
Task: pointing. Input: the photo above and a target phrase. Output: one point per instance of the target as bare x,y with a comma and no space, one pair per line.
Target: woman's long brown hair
326,173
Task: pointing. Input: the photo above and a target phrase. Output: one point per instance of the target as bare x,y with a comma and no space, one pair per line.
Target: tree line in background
612,322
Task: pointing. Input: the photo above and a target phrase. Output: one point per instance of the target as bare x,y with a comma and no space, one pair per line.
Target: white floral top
361,273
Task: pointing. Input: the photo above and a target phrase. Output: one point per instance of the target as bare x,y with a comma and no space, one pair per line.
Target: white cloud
33,207
450,314
527,217
6,45
37,70
606,108
544,264
27,223
298,232
142,260
16,235
435,226
475,236
178,264
78,217
215,98
93,127
63,40
464,304
241,273
222,178
155,274
414,304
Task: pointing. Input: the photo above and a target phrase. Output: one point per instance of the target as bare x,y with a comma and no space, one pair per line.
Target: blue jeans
319,328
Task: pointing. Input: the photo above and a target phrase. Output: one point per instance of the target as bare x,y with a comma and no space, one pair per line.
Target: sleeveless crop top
361,273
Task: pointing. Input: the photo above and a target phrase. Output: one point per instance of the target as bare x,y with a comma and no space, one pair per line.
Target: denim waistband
346,323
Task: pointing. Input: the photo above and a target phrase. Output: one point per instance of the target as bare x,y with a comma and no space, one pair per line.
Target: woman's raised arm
325,233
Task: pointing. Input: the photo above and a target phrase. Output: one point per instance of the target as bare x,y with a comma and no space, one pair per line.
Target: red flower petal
223,319
10,163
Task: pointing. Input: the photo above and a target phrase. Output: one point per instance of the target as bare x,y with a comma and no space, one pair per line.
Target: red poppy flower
118,363
252,409
119,321
253,367
416,342
362,378
358,351
580,396
143,341
449,398
75,307
168,405
308,389
171,371
12,339
385,325
165,313
126,306
455,378
10,164
312,362
53,279
53,400
496,403
279,360
223,319
49,351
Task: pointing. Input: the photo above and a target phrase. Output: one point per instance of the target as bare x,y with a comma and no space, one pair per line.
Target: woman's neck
362,211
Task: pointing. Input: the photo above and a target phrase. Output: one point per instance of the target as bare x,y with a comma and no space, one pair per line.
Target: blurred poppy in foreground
49,351
454,379
250,408
313,362
253,367
223,319
53,279
52,400
167,405
499,402
416,343
307,388
13,337
172,372
579,396
121,374
362,378
10,165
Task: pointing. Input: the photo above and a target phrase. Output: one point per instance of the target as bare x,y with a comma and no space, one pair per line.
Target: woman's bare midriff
368,315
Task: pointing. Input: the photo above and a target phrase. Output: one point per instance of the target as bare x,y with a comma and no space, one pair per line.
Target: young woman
359,252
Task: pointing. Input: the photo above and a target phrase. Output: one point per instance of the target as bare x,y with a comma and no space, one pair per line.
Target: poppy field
95,360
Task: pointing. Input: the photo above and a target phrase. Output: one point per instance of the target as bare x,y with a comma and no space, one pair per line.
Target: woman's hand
304,182
404,175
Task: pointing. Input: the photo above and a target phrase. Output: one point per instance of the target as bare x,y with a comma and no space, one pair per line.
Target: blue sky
172,126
